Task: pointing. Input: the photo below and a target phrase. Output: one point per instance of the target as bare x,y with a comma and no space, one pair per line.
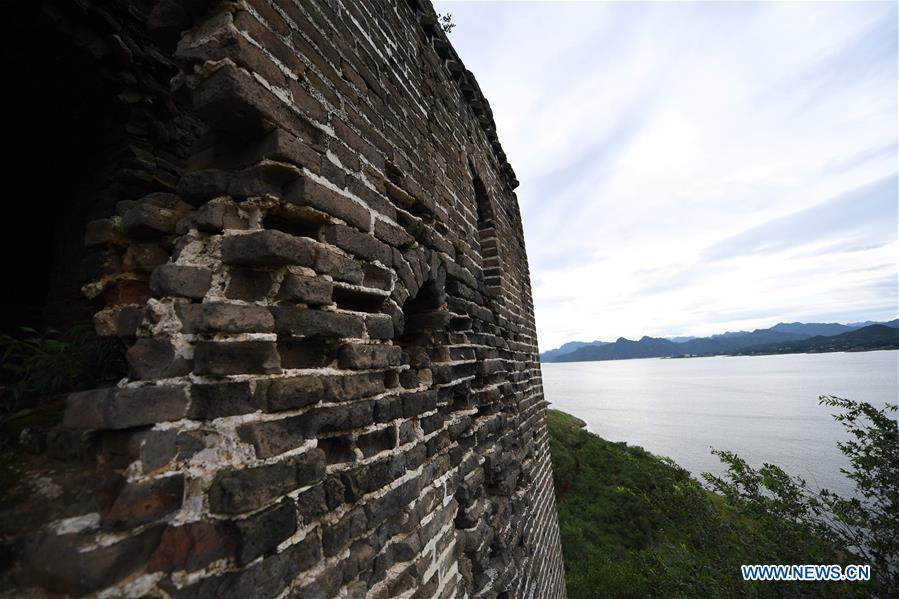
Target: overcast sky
691,168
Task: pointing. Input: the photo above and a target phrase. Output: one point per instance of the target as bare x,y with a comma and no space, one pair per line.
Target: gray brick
175,280
268,248
304,322
314,291
238,491
306,192
359,356
356,243
125,407
261,533
236,357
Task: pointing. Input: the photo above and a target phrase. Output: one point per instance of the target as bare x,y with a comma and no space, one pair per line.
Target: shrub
40,365
866,525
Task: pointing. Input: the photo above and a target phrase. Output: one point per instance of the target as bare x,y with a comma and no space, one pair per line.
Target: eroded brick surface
334,387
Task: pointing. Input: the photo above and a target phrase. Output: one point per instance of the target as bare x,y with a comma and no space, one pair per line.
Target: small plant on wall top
446,22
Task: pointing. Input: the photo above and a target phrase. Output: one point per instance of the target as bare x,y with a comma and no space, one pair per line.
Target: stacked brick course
334,386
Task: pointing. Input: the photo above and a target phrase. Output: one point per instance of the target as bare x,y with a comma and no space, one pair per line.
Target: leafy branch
446,22
865,525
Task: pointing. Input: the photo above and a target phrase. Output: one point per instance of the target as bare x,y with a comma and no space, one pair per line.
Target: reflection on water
765,408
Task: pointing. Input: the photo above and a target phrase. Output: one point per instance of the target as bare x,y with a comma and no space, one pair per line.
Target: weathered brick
193,546
375,277
189,443
281,146
379,326
416,456
236,357
358,356
263,179
249,285
392,234
342,268
338,202
306,352
356,243
348,136
157,449
335,492
221,40
307,192
377,441
237,491
264,34
124,407
339,417
215,400
338,449
312,503
356,483
407,549
371,192
57,564
268,248
324,586
334,537
146,221
264,579
221,317
431,423
218,215
353,386
156,359
303,322
418,403
273,437
386,470
144,256
244,108
362,558
314,291
261,533
118,321
140,503
388,408
175,280
307,103
291,393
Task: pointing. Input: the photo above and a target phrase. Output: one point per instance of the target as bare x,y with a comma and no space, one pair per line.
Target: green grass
11,472
637,525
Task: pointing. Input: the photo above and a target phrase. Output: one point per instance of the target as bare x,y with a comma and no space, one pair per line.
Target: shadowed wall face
334,386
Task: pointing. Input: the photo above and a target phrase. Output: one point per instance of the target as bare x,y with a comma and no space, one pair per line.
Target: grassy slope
636,525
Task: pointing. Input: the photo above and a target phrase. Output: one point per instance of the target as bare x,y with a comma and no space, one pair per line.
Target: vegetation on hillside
866,524
38,365
780,339
869,338
637,525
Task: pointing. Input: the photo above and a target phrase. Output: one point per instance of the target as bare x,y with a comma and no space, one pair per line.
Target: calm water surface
765,408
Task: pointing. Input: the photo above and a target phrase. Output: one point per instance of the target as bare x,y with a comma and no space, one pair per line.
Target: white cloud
644,134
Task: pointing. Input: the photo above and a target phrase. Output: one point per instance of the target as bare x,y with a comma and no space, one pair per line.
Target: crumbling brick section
334,387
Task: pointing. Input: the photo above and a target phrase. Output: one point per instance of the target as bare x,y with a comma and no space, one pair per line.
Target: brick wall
334,387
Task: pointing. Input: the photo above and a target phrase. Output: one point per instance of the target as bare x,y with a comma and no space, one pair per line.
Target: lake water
765,408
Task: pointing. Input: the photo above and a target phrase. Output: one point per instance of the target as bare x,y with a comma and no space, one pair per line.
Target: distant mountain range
567,348
874,336
794,337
